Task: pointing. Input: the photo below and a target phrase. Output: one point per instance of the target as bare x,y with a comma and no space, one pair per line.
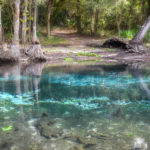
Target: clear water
74,108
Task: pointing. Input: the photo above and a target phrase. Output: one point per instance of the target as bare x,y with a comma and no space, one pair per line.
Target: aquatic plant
8,128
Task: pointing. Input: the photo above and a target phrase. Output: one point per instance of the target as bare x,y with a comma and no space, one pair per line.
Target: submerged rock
48,129
44,115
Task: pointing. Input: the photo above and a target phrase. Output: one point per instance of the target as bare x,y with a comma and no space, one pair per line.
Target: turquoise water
74,108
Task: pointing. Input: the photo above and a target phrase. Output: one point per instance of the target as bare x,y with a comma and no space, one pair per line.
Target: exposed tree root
11,55
34,52
122,45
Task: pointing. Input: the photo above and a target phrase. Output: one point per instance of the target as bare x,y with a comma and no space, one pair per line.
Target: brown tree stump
34,52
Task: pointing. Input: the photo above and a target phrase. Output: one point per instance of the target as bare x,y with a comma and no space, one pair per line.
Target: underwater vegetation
81,109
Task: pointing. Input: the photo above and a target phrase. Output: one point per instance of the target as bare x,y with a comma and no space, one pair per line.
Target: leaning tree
49,11
0,22
134,45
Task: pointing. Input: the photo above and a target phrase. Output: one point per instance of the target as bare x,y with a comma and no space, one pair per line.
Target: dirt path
75,40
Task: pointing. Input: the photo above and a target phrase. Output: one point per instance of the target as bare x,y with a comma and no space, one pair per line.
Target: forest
30,21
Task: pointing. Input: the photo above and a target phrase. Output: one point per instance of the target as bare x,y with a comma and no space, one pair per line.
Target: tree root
34,52
122,45
11,55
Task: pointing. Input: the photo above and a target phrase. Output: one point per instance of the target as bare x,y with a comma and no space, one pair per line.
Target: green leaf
5,129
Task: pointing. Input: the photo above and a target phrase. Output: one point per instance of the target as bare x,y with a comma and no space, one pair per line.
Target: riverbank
69,47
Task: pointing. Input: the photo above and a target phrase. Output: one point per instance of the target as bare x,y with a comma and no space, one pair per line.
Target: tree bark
0,24
24,25
30,21
34,37
148,7
16,21
138,39
78,17
96,21
34,52
49,9
135,45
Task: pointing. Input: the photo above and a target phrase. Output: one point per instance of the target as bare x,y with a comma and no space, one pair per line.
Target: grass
110,50
89,61
88,54
68,59
53,40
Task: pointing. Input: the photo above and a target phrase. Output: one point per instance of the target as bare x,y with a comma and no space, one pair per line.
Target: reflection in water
139,142
74,108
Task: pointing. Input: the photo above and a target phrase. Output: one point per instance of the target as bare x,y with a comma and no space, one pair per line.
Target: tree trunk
138,39
30,21
78,17
148,7
35,51
135,45
24,24
13,55
16,21
34,37
0,24
118,18
49,9
92,22
96,21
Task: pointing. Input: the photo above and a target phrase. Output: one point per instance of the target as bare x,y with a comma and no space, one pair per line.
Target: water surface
74,108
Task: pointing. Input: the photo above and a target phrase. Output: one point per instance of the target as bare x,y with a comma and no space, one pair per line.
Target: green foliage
68,59
97,17
129,34
147,38
8,128
88,54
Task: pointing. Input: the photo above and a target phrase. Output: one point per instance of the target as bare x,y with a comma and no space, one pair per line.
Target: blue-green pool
74,107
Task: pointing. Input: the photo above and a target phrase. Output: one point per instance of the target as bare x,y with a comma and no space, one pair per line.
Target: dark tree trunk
49,9
78,17
96,21
148,7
